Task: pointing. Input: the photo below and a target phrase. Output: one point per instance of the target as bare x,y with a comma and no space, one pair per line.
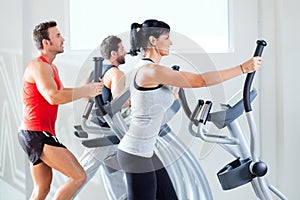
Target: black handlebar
98,73
98,68
248,82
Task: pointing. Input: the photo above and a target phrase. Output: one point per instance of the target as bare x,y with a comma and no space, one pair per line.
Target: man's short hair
41,32
108,45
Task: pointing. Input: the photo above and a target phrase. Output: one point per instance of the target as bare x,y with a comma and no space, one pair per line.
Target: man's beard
121,60
61,51
58,51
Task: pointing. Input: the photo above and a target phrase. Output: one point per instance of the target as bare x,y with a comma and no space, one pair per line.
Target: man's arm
117,83
118,86
43,76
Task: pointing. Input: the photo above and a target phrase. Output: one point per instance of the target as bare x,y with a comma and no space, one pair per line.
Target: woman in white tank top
150,98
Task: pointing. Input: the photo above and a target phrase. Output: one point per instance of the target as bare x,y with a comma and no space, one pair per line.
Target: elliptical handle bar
249,79
98,73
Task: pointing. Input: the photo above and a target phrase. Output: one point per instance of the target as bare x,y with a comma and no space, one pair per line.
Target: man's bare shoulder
33,68
35,63
116,71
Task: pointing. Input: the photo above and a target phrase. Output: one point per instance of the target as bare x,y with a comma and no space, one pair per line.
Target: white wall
11,156
286,31
276,108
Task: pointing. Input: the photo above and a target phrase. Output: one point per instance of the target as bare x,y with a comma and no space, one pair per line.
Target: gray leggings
146,178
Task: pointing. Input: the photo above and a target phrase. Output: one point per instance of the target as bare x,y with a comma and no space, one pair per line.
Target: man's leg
42,177
90,165
65,162
91,160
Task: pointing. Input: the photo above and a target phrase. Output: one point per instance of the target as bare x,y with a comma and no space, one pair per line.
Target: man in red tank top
42,93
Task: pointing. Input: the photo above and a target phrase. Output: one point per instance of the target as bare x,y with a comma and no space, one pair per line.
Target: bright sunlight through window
205,22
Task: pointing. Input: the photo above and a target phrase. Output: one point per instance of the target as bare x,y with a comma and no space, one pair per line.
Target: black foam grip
249,79
98,72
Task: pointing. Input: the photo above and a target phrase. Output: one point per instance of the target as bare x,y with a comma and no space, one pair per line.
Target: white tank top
148,108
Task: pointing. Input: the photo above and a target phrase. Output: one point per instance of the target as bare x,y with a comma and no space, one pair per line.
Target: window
205,22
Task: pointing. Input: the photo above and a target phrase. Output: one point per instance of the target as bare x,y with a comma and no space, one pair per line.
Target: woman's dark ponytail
140,33
134,43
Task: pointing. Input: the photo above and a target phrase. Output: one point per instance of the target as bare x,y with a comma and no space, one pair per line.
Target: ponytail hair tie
135,26
133,52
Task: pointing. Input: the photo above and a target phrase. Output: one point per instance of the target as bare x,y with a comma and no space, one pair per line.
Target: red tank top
38,114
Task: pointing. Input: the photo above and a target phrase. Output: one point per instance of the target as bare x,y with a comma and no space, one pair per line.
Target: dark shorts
33,142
